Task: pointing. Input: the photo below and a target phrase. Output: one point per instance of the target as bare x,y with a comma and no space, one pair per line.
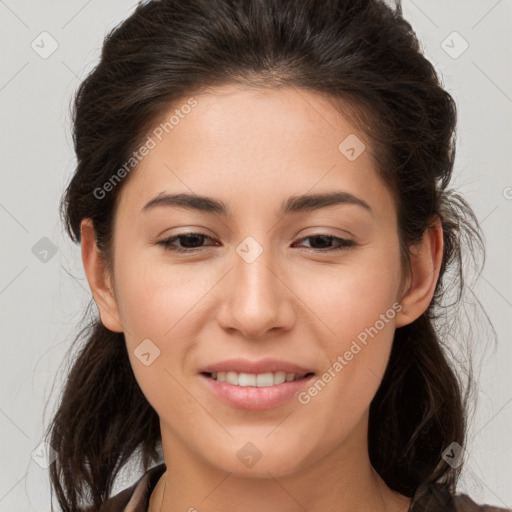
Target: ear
98,277
425,258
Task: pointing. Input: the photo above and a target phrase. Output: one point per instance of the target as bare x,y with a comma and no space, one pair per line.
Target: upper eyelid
320,231
323,233
174,238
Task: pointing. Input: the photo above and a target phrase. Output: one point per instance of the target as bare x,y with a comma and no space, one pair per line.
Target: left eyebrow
294,204
307,202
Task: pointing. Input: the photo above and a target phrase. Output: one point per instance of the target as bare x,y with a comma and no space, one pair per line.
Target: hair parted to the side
364,56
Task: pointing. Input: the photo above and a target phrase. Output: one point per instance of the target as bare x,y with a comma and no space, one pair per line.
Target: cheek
154,298
156,304
351,296
357,307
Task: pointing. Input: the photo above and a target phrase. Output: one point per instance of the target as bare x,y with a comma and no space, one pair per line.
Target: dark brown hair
363,55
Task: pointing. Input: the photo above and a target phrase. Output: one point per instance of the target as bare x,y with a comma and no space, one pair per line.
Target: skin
253,149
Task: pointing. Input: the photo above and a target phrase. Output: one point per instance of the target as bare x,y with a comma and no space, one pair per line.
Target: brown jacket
136,498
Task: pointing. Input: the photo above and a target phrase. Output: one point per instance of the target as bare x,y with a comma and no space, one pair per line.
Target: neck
343,480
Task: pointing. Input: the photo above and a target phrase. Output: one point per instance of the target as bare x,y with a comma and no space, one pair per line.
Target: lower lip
255,398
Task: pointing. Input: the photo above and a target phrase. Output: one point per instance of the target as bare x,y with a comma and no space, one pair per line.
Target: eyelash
343,244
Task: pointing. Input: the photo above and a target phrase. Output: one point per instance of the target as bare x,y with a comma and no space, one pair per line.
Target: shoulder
136,497
463,503
437,498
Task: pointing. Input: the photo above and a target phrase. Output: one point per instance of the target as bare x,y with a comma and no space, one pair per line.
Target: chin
260,456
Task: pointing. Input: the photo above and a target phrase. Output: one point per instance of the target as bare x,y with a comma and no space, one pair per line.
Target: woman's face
258,292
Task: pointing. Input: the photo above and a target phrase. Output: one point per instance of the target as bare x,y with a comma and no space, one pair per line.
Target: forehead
243,145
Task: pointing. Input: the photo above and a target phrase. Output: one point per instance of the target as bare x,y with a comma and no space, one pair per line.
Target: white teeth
246,379
259,380
264,379
280,377
232,378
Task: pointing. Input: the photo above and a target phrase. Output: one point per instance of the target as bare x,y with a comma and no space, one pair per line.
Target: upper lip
267,365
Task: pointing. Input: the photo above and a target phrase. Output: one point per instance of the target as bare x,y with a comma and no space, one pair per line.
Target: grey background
43,294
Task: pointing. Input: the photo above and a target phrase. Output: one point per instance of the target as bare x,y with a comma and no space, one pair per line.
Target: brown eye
323,243
191,242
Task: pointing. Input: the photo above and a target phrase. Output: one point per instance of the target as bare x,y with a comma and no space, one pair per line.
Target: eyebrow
294,204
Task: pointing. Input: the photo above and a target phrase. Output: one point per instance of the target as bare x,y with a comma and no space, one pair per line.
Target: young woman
262,203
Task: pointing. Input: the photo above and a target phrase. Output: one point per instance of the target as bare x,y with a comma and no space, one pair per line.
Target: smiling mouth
256,379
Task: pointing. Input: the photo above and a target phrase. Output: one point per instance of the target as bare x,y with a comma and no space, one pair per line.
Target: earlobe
425,258
98,278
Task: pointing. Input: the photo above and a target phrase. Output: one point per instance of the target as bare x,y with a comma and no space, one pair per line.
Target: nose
257,297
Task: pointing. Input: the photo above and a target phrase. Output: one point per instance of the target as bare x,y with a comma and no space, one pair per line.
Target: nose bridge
255,299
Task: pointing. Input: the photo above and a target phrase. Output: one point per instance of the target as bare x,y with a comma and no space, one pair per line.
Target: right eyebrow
188,201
